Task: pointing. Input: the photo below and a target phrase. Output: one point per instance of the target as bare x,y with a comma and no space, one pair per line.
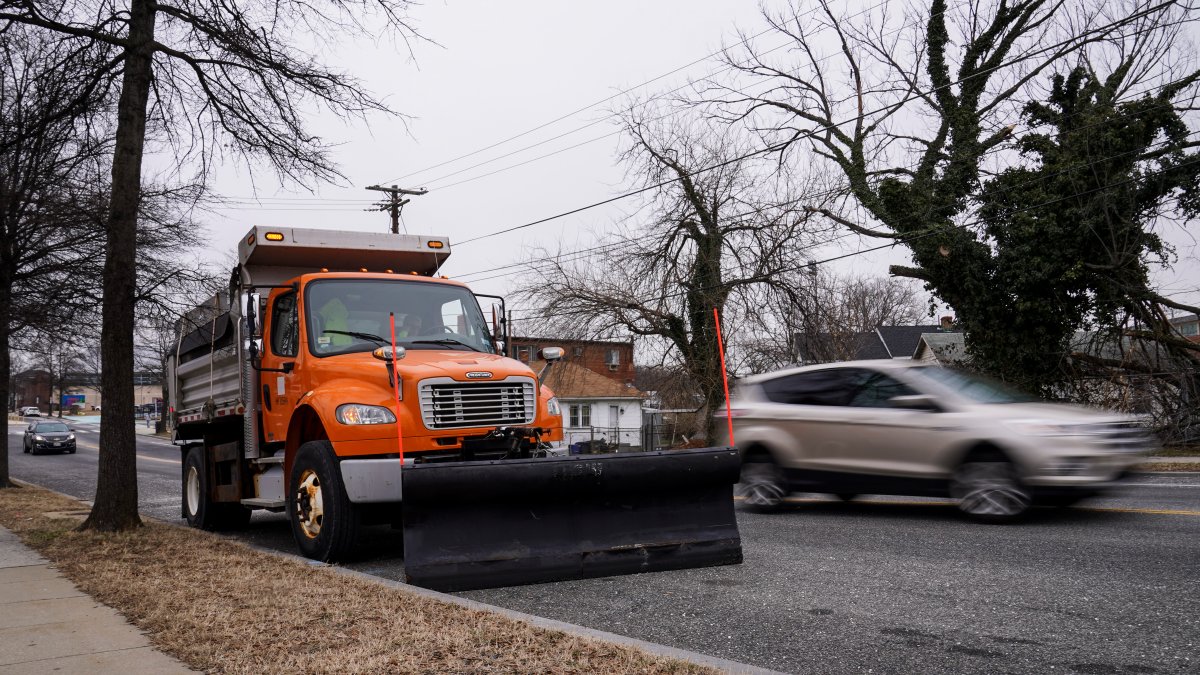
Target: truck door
280,389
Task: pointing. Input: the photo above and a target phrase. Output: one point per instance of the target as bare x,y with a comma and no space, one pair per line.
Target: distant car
30,411
49,436
904,428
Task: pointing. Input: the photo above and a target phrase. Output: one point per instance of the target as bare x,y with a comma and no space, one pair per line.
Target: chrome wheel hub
310,508
989,489
761,485
192,485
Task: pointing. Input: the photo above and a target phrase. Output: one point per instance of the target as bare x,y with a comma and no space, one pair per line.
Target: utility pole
395,203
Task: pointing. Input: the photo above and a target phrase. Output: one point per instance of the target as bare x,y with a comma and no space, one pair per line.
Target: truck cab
323,362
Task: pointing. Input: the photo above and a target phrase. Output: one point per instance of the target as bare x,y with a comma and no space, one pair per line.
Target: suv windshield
53,427
978,389
348,315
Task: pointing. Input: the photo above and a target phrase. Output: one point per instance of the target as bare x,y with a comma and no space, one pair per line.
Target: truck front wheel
324,520
198,507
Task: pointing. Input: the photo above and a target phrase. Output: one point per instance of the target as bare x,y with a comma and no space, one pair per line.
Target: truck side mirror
552,353
252,302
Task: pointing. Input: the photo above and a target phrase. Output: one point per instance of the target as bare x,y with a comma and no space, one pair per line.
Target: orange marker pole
396,386
724,376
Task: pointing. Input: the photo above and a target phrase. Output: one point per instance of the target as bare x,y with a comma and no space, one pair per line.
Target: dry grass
222,607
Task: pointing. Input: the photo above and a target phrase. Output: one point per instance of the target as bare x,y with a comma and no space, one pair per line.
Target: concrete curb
723,665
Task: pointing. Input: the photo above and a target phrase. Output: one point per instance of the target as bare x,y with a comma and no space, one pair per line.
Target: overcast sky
502,69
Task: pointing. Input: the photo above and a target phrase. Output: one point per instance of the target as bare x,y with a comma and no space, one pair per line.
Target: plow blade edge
503,523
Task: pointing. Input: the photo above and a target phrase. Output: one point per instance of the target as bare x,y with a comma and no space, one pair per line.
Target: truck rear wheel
199,509
324,520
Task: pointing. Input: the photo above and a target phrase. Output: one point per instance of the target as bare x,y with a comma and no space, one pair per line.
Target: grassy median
222,607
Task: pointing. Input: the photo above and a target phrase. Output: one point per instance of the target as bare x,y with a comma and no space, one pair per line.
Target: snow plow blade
503,523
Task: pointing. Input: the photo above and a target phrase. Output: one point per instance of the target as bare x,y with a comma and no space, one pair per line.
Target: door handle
267,396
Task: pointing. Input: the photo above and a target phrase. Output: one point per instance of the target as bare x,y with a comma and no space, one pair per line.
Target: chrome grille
447,404
1123,437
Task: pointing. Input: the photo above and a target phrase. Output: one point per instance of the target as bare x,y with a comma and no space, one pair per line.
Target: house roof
569,380
901,341
947,348
870,346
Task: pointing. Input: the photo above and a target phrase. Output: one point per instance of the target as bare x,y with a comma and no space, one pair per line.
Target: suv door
805,406
890,441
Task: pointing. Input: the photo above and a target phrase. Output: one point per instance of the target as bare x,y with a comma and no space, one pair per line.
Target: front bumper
61,446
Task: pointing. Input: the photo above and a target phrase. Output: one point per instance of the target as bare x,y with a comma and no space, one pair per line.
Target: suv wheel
761,486
989,490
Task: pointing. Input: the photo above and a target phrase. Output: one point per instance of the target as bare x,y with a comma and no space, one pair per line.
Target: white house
596,408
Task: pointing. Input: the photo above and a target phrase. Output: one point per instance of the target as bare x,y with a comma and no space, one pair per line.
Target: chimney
947,323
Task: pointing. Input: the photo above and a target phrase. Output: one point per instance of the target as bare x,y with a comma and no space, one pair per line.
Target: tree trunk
5,368
116,483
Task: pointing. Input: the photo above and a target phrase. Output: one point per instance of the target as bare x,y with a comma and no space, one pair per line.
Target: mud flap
503,523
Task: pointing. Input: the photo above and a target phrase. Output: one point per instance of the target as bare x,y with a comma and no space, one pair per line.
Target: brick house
611,359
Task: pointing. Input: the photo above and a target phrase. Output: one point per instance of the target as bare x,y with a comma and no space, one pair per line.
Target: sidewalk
47,625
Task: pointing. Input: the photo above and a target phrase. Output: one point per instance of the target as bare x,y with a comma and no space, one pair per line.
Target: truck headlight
357,413
553,407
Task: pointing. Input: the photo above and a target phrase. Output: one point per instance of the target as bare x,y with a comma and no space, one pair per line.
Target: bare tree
830,316
917,107
232,72
51,159
718,229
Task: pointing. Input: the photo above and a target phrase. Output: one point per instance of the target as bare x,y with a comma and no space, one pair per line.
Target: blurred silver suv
907,428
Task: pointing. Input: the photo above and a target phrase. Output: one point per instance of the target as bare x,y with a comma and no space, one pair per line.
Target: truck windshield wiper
360,336
445,341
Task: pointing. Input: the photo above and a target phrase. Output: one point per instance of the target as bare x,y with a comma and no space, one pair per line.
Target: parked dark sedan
49,436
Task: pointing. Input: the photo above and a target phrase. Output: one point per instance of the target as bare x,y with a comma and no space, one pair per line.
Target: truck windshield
344,315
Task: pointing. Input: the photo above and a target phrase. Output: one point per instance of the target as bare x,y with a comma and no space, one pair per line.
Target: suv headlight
553,406
357,413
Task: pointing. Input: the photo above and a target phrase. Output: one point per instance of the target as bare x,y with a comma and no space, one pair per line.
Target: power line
610,98
572,256
894,242
614,133
778,146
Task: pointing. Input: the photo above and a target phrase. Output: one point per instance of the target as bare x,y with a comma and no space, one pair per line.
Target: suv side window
819,387
285,329
876,389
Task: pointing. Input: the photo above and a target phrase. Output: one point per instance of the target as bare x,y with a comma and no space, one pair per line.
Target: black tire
762,486
198,508
324,520
25,447
989,489
845,496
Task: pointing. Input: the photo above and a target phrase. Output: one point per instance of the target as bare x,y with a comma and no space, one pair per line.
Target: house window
525,353
578,351
1189,328
581,415
613,359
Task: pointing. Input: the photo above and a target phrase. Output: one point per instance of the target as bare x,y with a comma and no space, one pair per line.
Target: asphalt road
882,585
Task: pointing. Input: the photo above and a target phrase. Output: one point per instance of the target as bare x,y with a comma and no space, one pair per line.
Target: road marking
1118,509
1165,485
895,502
145,457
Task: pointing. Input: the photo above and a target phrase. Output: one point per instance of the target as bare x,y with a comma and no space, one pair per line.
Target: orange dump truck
286,394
